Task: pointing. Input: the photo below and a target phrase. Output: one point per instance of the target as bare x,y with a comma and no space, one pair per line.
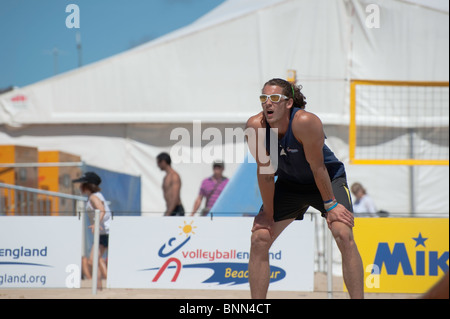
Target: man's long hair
291,91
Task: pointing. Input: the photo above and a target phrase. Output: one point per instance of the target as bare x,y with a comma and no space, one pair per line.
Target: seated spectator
363,203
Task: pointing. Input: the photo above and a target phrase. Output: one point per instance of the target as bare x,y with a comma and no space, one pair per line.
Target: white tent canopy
213,69
116,112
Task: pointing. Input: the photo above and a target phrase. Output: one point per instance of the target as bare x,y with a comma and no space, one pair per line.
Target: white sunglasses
275,98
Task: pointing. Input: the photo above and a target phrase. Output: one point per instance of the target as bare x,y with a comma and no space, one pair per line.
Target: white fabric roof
441,5
213,69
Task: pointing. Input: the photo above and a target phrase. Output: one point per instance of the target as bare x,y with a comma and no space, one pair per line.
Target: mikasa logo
400,257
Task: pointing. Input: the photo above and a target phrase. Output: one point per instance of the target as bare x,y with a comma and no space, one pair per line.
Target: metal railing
19,200
26,165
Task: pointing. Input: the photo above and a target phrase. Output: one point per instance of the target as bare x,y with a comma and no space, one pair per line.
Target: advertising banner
402,255
40,252
200,253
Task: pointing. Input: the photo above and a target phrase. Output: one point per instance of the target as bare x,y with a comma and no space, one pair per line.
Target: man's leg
352,267
258,265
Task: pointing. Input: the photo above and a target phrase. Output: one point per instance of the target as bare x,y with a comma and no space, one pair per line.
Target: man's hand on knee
340,214
263,221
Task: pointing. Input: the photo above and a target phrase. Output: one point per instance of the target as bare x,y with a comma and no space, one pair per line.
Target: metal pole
79,208
79,48
35,206
27,204
59,164
16,200
3,201
412,203
318,254
330,264
55,61
42,192
96,247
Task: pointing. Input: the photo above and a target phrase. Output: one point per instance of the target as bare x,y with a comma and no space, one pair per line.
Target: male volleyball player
309,174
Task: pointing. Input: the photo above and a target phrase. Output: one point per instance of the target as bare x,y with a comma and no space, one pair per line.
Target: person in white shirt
90,182
363,204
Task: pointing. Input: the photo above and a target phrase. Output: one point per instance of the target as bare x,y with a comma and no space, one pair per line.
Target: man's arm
172,195
308,129
265,180
197,204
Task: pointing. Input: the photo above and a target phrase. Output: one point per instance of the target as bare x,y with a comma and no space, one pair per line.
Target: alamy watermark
373,19
73,19
373,279
73,279
230,146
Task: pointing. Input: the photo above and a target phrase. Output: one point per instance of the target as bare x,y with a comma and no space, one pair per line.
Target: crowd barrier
204,253
400,255
40,252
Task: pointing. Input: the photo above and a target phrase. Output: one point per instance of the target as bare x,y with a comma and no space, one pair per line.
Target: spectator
171,186
90,182
210,189
363,203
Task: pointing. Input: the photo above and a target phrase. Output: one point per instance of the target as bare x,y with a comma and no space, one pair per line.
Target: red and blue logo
229,266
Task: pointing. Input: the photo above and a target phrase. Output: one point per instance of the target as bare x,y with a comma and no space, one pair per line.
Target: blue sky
31,29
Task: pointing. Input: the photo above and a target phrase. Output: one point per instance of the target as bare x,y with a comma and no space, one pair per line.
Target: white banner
200,253
40,252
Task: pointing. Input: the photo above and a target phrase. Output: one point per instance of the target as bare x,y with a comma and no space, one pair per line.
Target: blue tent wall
241,196
121,190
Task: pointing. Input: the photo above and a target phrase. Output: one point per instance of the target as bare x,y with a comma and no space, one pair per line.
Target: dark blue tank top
292,163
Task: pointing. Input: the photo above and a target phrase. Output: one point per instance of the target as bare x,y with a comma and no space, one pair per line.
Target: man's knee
343,235
261,239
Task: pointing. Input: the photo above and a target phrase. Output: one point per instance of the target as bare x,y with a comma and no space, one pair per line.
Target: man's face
217,170
161,164
274,112
358,192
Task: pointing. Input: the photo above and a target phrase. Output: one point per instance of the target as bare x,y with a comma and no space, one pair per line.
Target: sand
85,292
